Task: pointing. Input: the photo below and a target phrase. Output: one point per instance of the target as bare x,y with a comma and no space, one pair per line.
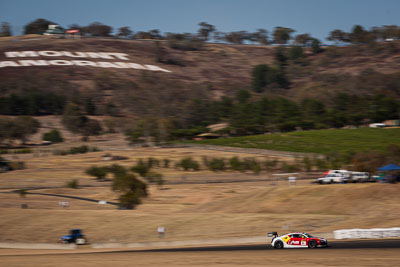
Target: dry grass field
191,206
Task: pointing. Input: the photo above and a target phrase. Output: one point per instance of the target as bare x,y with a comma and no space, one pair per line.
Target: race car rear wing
273,234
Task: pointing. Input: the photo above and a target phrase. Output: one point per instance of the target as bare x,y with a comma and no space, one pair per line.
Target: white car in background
331,179
334,176
359,177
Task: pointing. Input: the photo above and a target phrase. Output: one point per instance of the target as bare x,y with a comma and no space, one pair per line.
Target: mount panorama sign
79,59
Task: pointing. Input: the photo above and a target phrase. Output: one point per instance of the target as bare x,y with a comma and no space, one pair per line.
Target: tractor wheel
80,241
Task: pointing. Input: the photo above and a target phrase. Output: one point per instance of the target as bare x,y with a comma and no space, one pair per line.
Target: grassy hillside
214,70
211,84
317,141
306,199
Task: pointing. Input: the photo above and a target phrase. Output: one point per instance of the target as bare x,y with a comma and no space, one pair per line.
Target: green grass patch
316,141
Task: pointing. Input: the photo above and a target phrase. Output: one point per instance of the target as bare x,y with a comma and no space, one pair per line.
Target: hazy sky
317,17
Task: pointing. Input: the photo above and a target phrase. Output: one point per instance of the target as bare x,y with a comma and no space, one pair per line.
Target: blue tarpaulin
390,167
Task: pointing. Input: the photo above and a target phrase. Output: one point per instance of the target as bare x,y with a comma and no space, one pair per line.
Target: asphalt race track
336,245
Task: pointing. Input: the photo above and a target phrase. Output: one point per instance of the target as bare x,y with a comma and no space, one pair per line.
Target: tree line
209,32
17,129
246,114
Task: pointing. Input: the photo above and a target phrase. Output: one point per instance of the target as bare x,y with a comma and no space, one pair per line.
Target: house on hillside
392,123
207,136
55,30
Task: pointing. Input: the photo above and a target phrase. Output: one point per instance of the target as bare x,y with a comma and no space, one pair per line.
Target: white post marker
292,180
63,204
161,231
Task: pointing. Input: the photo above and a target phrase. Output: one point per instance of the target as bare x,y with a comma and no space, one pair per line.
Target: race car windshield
307,235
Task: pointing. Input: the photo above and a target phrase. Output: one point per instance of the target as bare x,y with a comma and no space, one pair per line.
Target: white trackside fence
367,233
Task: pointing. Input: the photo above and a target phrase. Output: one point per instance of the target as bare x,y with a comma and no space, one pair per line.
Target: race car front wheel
278,244
312,244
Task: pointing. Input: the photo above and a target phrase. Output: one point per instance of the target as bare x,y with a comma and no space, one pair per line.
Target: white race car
297,240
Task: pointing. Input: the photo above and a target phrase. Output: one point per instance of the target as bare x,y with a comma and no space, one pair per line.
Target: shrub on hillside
73,184
235,163
270,164
141,168
22,193
99,172
53,136
132,189
17,165
154,177
250,164
216,164
307,163
166,163
188,163
76,150
286,167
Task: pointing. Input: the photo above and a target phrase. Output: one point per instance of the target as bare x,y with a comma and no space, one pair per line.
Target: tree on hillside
124,32
280,57
160,52
358,35
303,39
282,35
205,30
316,46
23,127
237,37
390,32
76,122
259,77
219,36
296,53
243,96
38,26
260,36
152,34
91,127
263,75
338,36
53,136
131,188
99,172
5,29
98,29
73,118
5,126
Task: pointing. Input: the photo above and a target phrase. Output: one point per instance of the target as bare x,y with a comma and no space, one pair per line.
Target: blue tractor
75,236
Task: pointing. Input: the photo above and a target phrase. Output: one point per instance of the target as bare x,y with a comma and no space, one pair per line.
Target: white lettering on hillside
61,62
22,54
156,68
27,63
50,53
77,54
103,55
8,64
82,63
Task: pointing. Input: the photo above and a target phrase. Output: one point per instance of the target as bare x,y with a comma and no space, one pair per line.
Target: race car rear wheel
312,244
278,244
